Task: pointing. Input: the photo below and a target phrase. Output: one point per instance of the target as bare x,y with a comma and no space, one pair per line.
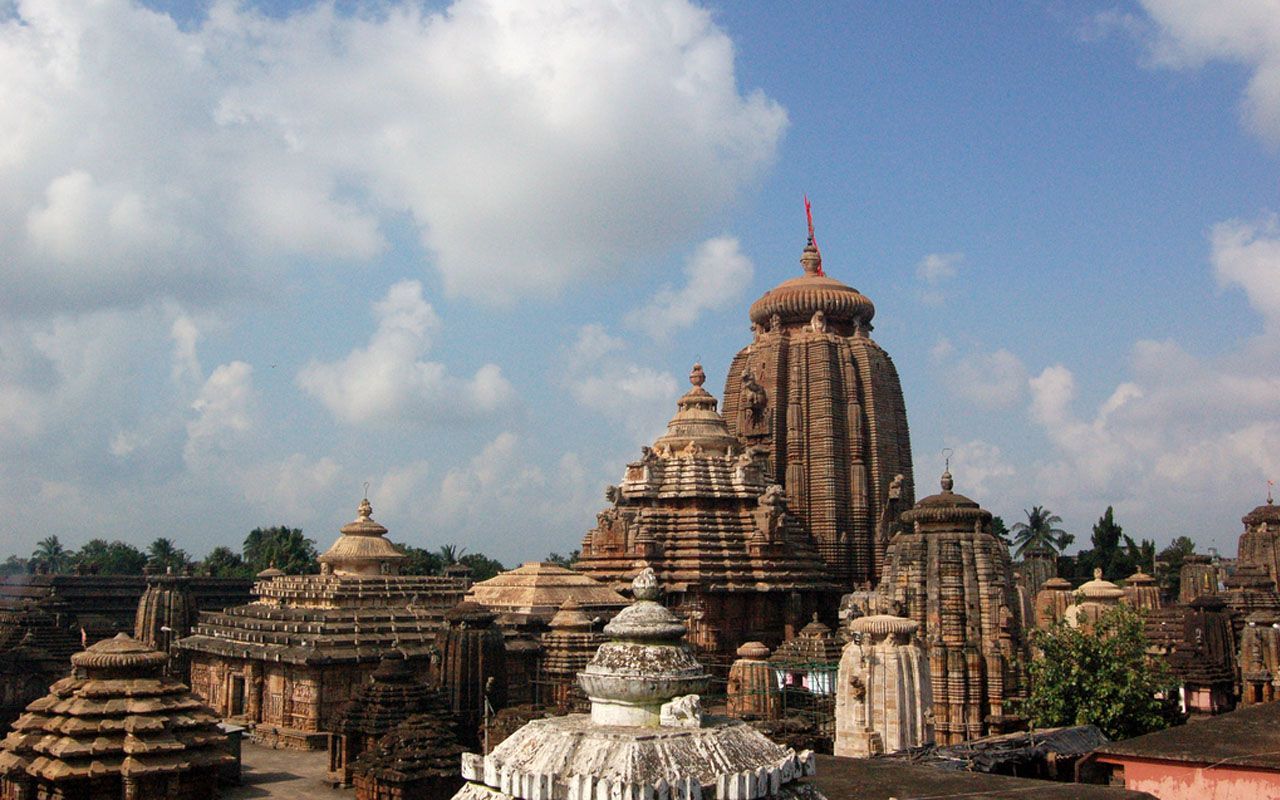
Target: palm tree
163,555
450,553
1039,533
50,553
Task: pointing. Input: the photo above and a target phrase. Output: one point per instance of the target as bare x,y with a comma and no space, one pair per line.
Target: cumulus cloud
1189,33
387,381
1247,254
530,144
992,380
934,270
602,379
292,487
224,410
981,470
715,277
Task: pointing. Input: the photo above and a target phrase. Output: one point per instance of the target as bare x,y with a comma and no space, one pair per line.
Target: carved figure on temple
755,400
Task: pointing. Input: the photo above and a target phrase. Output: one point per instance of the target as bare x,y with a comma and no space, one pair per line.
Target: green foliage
1039,533
164,556
13,565
1000,530
1116,560
1169,564
51,555
110,558
1101,677
223,562
449,554
482,567
287,548
563,561
420,561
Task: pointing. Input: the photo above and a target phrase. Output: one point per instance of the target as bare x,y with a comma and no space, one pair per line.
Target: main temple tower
823,402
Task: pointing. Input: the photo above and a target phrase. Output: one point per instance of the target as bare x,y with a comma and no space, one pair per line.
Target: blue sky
254,256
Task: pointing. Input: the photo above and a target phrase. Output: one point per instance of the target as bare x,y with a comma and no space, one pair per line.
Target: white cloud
992,380
1189,33
224,411
223,150
715,277
934,270
600,378
292,488
1247,254
981,471
387,382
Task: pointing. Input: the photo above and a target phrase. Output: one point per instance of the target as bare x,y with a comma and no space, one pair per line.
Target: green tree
420,561
285,547
482,567
111,558
14,565
1100,677
450,554
1039,533
223,562
1169,564
51,555
563,561
1113,551
164,556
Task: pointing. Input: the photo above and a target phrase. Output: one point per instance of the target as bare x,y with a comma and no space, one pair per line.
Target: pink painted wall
1178,781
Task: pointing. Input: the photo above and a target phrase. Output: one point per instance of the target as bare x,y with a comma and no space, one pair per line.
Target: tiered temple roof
535,591
1260,542
698,510
824,404
416,760
116,720
353,613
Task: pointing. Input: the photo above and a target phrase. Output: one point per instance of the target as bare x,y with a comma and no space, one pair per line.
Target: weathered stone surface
1093,599
824,404
1260,542
288,662
752,690
473,665
698,510
1260,658
416,760
1052,601
949,573
1141,592
116,728
1199,576
623,752
884,699
567,648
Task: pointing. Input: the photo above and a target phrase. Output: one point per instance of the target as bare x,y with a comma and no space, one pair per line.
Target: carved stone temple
700,510
286,663
645,737
117,728
884,700
823,402
949,573
1260,542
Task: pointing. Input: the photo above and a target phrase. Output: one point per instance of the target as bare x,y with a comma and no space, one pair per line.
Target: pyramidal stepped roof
539,588
117,714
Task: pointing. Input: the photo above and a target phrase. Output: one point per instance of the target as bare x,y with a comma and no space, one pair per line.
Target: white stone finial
645,585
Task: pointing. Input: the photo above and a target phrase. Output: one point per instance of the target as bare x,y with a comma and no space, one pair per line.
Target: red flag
808,215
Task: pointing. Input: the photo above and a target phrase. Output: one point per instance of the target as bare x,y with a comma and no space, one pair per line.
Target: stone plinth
953,577
883,695
752,689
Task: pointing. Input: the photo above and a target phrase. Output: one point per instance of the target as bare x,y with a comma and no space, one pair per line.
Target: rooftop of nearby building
1247,737
883,779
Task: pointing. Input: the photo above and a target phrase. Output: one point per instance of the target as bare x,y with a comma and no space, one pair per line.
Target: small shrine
1093,599
286,663
568,645
1260,658
473,669
646,735
1141,592
1260,542
415,760
116,729
1051,602
1198,576
884,700
166,613
752,692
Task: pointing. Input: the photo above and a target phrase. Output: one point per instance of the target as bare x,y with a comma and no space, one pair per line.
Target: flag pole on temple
808,215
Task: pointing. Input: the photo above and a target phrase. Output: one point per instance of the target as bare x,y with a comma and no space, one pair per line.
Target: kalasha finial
645,585
1097,573
811,260
947,482
696,376
365,511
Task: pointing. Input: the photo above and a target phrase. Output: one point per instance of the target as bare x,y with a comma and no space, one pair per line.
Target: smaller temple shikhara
646,736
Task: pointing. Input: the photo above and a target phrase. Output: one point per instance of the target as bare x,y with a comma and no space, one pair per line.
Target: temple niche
699,510
1258,544
954,578
286,663
823,403
1260,658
